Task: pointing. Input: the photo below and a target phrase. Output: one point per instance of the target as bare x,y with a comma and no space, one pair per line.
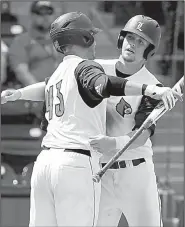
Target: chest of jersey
120,114
121,111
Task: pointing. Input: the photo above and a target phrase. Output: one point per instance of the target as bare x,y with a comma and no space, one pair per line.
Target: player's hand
166,94
10,95
102,143
179,88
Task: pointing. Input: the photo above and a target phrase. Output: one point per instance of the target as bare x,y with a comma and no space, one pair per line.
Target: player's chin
129,58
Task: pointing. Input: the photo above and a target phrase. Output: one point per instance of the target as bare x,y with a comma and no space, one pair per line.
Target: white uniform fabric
78,122
62,190
131,190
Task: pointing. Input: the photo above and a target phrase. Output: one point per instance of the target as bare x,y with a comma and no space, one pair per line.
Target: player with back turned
130,186
62,189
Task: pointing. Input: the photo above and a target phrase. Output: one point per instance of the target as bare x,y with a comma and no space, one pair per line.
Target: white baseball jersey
121,112
71,120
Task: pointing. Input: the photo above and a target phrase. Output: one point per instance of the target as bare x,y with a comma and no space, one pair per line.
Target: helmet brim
141,34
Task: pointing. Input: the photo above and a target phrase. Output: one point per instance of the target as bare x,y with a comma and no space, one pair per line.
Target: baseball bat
157,113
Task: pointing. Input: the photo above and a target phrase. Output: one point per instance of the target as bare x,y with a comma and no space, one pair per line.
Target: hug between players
71,101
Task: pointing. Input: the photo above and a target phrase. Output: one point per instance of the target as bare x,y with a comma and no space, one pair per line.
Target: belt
123,164
79,151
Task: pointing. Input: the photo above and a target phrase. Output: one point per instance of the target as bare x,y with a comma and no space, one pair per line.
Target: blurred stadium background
20,133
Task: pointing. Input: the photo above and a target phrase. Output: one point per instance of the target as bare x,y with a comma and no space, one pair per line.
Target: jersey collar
71,57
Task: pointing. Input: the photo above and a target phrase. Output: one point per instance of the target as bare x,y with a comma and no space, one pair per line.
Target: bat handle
96,178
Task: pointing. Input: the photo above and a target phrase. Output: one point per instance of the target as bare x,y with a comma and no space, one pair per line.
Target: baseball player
62,190
129,186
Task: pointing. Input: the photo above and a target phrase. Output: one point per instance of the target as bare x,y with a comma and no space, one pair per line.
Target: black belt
122,164
79,151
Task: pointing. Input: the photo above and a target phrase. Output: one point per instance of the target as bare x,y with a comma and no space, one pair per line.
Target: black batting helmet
145,27
73,28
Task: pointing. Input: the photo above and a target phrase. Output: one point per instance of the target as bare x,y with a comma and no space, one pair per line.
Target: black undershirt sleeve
94,85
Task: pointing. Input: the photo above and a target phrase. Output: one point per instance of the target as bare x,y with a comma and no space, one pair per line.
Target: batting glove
166,94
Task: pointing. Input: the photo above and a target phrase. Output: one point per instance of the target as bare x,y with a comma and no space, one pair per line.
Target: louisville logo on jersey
123,107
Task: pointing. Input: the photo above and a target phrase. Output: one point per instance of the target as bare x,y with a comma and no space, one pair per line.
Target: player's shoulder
88,64
106,62
108,65
150,77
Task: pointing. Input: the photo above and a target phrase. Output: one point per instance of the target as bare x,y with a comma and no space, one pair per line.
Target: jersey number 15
57,108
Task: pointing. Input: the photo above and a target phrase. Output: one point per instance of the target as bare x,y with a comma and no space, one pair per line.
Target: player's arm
146,106
106,144
94,85
34,92
120,141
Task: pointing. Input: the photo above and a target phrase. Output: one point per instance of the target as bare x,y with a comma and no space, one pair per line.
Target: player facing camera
139,39
76,97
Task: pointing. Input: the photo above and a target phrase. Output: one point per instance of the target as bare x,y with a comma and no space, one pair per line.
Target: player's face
133,47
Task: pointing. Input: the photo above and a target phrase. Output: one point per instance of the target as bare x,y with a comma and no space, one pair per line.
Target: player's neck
77,51
129,67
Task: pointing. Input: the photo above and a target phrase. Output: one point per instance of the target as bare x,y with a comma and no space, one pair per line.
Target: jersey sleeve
94,85
146,106
86,73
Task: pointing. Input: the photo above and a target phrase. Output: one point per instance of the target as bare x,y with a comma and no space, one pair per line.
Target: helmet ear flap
120,39
149,52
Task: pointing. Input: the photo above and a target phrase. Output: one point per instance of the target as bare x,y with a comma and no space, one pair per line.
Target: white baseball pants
133,192
62,190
